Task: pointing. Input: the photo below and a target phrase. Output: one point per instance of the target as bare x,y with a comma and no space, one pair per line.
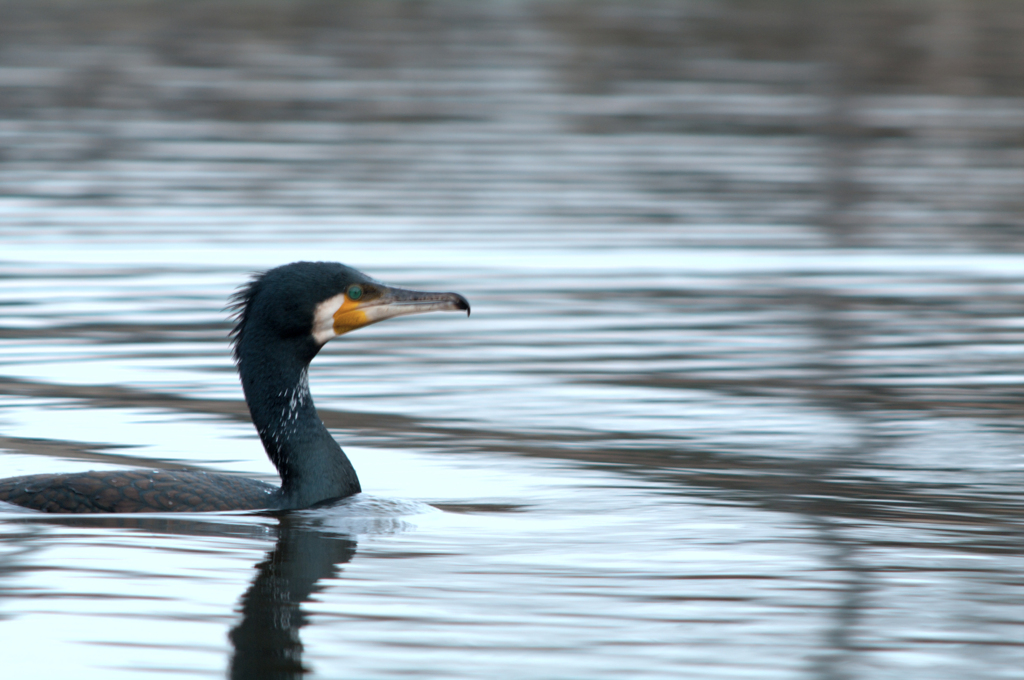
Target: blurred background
741,392
784,124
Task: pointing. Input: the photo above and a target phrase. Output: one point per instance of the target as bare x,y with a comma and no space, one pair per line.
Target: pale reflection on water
740,395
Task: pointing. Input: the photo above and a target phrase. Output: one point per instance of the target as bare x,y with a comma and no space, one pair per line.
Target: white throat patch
323,318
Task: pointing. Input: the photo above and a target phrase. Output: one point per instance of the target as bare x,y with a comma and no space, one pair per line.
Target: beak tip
462,303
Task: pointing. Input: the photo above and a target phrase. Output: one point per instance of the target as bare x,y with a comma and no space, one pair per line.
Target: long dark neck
312,466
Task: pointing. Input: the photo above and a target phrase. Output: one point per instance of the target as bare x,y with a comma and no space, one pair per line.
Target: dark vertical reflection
839,646
840,134
837,335
266,642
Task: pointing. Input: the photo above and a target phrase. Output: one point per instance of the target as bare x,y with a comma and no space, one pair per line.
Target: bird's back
136,491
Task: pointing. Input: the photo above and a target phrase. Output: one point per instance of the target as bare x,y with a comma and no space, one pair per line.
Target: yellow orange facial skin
349,316
337,315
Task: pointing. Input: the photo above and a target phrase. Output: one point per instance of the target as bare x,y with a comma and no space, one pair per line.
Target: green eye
355,291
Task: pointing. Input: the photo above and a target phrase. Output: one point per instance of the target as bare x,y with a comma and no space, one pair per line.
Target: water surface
741,391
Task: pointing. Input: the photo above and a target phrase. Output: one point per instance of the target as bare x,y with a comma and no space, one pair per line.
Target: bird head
313,302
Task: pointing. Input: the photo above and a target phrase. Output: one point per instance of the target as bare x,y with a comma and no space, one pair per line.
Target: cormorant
284,317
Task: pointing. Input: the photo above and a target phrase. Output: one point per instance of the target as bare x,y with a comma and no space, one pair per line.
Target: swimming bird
284,317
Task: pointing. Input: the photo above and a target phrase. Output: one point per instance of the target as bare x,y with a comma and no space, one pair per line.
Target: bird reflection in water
310,547
266,642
